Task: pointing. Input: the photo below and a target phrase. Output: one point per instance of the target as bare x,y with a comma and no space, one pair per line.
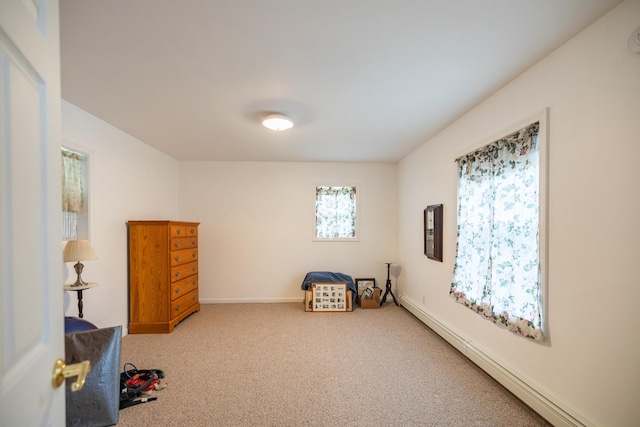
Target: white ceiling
363,80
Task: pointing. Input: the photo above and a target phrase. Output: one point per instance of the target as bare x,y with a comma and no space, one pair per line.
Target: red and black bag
137,385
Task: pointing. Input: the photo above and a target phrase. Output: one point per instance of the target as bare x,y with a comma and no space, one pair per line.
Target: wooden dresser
163,274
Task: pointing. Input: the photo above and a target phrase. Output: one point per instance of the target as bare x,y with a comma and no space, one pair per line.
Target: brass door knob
62,371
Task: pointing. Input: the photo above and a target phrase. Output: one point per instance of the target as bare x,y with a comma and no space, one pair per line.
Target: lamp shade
277,122
78,250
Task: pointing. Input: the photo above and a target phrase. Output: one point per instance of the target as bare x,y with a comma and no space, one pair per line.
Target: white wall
128,180
255,237
589,366
256,219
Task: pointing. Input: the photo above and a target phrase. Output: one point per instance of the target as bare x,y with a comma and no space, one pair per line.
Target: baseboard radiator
544,406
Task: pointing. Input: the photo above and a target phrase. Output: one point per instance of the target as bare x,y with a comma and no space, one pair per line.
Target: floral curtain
72,198
497,267
335,212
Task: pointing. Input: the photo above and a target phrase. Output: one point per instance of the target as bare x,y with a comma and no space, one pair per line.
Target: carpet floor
277,365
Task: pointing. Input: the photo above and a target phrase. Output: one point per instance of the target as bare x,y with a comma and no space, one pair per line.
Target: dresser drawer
178,243
184,270
183,287
181,230
183,256
183,303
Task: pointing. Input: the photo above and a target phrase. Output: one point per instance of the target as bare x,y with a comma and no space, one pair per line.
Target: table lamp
78,250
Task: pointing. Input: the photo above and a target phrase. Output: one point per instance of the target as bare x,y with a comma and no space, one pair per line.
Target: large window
497,271
335,218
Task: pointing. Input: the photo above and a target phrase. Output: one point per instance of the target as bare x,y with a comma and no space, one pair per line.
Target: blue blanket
327,276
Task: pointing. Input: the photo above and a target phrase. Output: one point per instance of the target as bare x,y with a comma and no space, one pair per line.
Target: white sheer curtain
72,192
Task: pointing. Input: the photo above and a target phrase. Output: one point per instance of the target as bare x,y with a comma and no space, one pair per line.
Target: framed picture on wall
363,284
433,232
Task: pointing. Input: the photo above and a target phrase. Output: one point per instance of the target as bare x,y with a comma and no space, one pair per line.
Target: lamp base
78,267
79,282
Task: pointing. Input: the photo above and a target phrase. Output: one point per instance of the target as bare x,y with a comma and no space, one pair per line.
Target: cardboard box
308,297
373,302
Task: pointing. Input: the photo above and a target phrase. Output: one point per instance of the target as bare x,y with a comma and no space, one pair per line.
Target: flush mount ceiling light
277,122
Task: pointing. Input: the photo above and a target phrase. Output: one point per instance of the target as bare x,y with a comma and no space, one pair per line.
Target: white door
31,307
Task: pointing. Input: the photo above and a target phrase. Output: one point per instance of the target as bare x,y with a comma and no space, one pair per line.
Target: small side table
78,290
388,291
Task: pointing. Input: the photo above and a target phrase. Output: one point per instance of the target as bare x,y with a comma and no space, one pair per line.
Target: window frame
358,192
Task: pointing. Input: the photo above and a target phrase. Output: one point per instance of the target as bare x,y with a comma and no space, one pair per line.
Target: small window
336,210
75,215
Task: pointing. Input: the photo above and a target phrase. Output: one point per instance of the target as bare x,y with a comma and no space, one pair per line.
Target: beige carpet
276,365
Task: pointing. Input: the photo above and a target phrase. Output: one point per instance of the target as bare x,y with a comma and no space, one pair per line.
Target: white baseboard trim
249,300
546,407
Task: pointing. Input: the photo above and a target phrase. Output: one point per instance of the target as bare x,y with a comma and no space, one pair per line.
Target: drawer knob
177,274
193,230
194,268
194,242
193,282
177,258
177,290
178,231
177,244
193,297
177,308
193,255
